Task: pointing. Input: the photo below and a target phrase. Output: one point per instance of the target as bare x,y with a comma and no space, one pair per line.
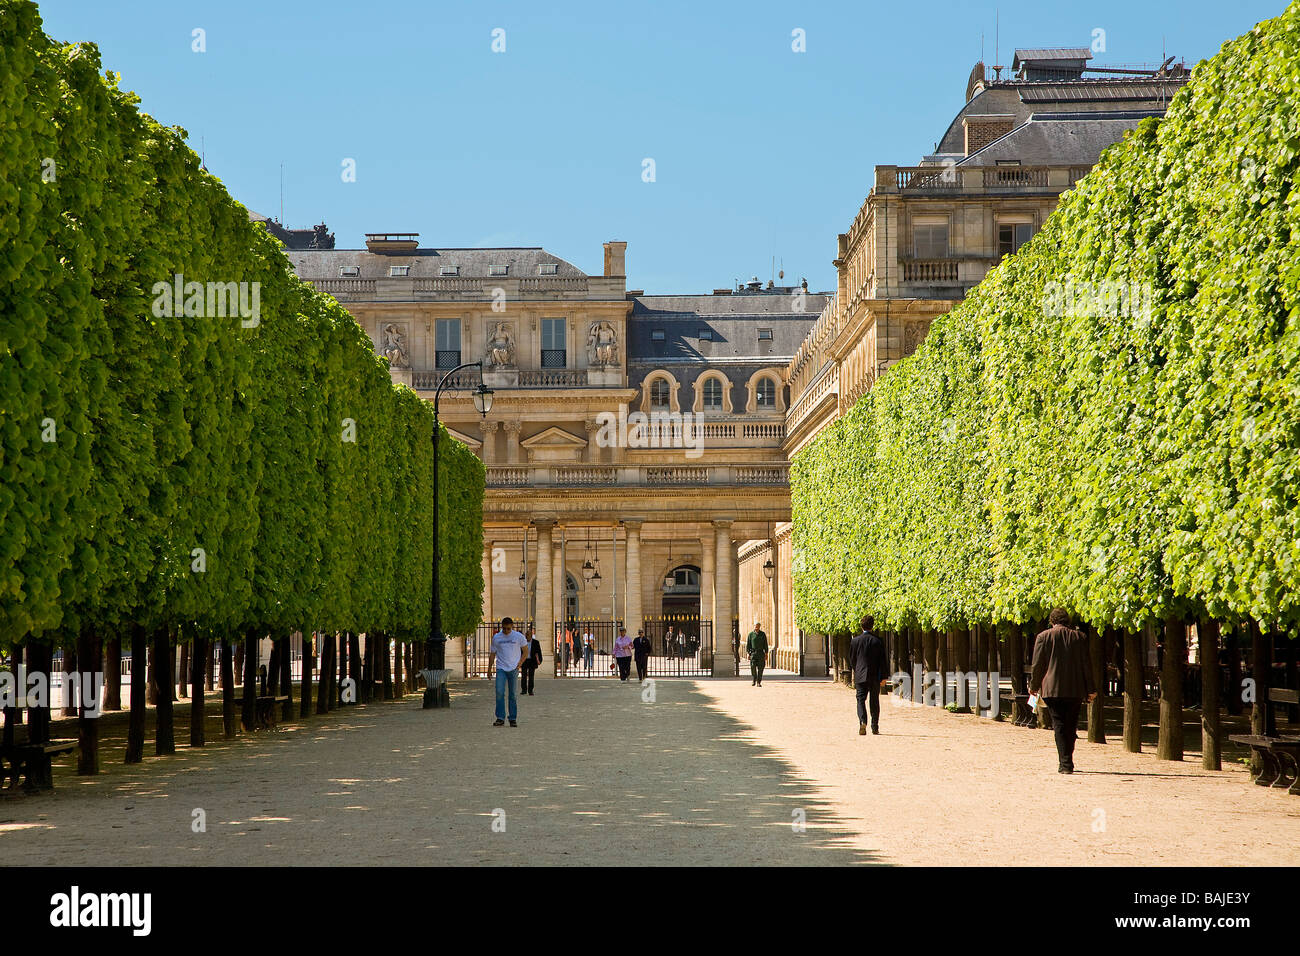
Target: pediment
553,439
473,443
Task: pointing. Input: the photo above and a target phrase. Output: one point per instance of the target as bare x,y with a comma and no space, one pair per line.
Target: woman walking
641,651
623,653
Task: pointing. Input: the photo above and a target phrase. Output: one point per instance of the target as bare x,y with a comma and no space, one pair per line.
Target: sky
759,152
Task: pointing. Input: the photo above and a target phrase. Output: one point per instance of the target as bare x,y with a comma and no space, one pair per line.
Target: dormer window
449,270
706,335
548,268
657,335
349,272
395,271
765,335
498,269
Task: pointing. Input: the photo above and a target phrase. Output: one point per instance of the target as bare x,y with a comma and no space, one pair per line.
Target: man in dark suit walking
870,670
1060,672
528,668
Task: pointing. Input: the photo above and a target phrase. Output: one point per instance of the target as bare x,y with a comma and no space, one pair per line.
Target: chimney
615,259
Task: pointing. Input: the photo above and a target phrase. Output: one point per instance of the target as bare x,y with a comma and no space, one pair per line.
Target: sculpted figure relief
393,346
602,345
501,347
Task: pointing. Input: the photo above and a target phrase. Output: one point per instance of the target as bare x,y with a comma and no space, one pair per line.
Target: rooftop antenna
997,47
282,194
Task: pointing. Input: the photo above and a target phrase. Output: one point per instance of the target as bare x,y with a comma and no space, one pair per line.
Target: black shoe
498,723
513,724
1065,770
876,731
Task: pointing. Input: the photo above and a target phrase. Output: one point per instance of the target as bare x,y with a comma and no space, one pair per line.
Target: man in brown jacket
1061,674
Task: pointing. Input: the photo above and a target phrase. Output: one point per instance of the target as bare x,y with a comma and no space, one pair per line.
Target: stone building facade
641,433
926,234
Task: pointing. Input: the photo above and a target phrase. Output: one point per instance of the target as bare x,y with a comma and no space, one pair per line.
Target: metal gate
680,646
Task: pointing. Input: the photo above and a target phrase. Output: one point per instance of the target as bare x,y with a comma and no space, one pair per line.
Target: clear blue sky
759,151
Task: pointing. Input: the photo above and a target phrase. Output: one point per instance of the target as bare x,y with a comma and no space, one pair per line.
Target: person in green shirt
756,647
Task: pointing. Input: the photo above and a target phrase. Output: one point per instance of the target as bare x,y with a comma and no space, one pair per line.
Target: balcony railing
552,378
656,476
930,270
345,286
928,177
1002,177
430,380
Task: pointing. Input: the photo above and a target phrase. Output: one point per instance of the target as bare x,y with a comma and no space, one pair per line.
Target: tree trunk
342,657
1170,743
227,689
183,674
164,741
207,666
399,685
326,674
271,680
239,660
1207,633
139,693
308,662
1097,709
943,664
1289,654
354,664
961,664
198,700
171,666
90,654
1016,661
39,661
248,714
113,674
69,675
286,677
412,672
1132,691
1261,654
151,676
385,667
1232,693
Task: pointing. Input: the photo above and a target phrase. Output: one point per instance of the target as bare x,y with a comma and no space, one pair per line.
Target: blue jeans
589,655
507,679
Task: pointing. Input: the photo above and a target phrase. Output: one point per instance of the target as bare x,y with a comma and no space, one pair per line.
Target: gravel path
705,773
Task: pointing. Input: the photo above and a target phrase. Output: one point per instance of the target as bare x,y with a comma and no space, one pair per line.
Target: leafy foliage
208,468
1130,448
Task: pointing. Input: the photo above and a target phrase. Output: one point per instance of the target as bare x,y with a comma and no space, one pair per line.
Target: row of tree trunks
90,652
139,689
248,711
1097,666
198,702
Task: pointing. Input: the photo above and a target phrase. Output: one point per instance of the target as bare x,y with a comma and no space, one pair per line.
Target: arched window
660,394
765,393
713,395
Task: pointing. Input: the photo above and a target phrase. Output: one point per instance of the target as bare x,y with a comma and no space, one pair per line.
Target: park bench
1279,760
266,712
33,762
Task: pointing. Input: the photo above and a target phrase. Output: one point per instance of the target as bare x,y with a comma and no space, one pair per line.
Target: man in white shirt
509,647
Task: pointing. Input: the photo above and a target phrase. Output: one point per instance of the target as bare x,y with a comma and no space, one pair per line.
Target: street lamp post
483,404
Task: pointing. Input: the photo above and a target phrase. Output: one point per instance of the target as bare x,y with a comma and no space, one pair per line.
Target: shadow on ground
595,774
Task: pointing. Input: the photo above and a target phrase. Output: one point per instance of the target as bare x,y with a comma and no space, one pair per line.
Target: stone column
632,577
593,450
487,581
545,622
706,579
489,431
512,427
724,665
557,580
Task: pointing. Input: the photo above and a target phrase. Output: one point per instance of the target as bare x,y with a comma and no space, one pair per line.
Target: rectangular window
930,240
349,272
1013,235
547,268
498,270
449,270
553,343
399,270
448,343
657,335
765,335
706,335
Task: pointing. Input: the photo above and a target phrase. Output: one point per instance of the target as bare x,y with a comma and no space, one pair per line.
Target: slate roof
733,320
427,263
1062,140
1047,53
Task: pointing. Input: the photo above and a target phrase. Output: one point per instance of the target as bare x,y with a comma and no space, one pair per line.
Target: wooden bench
1279,760
33,762
266,712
